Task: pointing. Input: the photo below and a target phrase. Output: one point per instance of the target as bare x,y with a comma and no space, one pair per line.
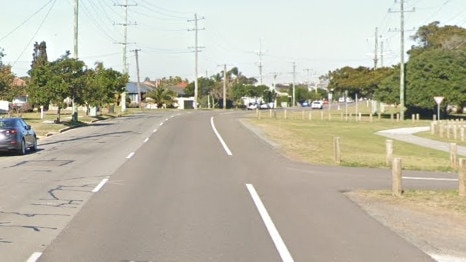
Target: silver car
16,136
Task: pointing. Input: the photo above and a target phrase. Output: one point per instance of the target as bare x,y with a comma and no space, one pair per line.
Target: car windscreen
6,123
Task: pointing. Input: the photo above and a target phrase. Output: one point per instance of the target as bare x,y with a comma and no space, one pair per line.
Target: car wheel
22,148
34,145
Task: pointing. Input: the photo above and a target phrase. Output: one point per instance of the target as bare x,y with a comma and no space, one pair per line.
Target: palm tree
162,96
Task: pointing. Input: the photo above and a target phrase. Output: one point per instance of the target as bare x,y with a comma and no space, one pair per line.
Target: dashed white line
130,155
161,124
100,185
34,257
154,131
145,140
430,178
225,147
277,239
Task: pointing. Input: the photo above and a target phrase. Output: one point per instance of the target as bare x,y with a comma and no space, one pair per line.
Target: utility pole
196,51
224,87
260,53
74,115
294,87
381,51
136,52
402,57
125,25
76,18
376,47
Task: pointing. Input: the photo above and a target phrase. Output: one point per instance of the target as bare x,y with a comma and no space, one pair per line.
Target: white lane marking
446,258
430,178
100,185
225,147
161,124
130,155
277,240
155,130
34,257
145,140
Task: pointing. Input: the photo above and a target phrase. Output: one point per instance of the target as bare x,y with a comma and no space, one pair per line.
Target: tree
57,81
162,96
102,86
437,67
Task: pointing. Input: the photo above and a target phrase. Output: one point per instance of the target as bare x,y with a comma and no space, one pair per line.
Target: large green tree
437,67
103,86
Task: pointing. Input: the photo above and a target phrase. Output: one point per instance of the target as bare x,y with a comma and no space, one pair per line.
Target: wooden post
310,115
462,177
413,118
336,150
285,114
302,115
396,178
321,115
389,152
453,155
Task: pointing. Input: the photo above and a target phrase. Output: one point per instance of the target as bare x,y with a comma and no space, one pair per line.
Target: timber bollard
462,177
453,155
389,152
396,178
336,150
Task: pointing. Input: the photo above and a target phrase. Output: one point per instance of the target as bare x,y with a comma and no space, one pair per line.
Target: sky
293,40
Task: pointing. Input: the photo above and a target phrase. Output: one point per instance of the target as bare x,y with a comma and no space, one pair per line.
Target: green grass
311,141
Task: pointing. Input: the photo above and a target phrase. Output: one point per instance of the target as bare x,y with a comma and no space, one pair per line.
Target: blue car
16,136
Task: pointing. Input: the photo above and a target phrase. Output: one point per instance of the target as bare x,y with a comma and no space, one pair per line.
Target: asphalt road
187,186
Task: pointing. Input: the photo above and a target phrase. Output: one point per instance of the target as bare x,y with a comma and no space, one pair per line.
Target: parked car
252,106
317,104
305,104
17,136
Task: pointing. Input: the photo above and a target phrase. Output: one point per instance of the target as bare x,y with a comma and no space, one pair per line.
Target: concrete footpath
407,135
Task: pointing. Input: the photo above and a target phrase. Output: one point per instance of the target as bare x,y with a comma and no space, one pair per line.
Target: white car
317,104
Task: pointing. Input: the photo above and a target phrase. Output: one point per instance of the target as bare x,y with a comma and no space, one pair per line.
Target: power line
36,32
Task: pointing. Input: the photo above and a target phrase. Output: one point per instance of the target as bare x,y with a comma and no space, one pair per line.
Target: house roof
132,88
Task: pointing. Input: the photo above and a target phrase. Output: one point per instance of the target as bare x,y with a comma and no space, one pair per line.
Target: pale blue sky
316,35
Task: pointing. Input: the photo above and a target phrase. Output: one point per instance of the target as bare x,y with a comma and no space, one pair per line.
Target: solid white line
430,178
34,257
130,155
277,240
100,185
220,137
145,140
446,258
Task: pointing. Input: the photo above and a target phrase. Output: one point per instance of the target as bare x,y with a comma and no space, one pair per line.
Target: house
132,91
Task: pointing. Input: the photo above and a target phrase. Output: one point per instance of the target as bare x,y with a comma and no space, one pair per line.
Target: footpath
407,135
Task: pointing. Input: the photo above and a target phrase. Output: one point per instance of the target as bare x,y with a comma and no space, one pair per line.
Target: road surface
187,186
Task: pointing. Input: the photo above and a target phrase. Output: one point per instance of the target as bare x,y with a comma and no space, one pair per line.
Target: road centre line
34,257
430,178
277,240
100,185
154,131
225,147
145,140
